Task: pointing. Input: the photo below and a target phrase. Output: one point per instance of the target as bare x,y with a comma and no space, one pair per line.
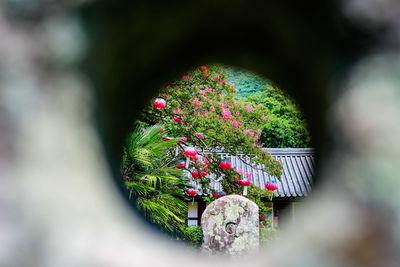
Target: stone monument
230,226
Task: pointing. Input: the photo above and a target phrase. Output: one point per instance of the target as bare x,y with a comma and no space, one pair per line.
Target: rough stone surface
230,226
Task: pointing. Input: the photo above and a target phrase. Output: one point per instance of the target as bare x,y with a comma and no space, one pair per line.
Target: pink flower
176,111
271,186
177,119
237,114
208,89
225,165
184,139
194,158
159,103
202,93
196,175
203,68
197,103
180,164
205,161
249,132
212,108
192,192
190,151
249,108
265,118
235,123
206,75
248,175
226,113
200,135
244,182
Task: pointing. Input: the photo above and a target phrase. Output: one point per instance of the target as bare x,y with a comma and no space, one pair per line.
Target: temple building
294,185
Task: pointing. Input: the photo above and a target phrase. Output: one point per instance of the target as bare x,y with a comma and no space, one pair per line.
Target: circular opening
217,131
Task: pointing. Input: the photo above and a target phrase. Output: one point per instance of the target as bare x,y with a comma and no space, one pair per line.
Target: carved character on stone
230,226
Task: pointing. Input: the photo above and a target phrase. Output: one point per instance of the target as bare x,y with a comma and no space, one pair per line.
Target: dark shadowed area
74,76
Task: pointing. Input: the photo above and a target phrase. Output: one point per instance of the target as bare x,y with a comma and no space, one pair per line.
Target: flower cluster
200,110
197,103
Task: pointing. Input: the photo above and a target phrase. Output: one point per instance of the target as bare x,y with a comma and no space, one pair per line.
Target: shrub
193,235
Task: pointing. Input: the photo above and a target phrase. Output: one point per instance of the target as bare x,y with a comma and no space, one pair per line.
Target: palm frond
155,185
158,214
170,202
138,189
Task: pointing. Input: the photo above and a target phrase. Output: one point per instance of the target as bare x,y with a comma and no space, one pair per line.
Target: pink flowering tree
200,109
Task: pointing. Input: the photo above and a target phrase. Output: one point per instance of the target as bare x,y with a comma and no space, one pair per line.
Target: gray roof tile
297,172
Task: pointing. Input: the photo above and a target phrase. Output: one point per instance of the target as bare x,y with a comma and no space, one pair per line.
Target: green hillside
246,82
286,126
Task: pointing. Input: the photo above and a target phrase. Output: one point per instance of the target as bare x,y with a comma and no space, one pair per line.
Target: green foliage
266,236
258,195
204,101
201,107
246,82
285,126
193,235
154,184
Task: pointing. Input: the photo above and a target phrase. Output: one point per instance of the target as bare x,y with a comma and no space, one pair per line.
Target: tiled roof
297,172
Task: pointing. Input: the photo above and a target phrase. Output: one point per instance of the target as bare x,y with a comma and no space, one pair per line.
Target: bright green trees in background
246,82
200,112
286,126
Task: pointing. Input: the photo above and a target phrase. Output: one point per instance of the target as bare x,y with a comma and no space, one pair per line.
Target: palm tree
154,183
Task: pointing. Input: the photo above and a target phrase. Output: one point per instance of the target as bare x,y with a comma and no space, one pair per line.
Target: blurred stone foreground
60,207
